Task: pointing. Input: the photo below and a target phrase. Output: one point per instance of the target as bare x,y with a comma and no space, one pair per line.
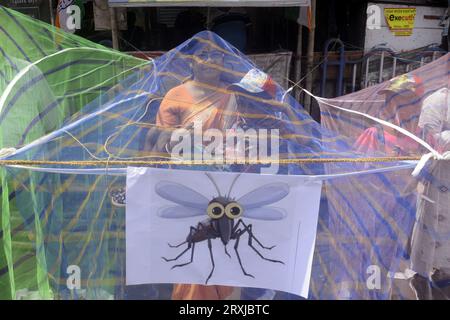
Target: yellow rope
199,162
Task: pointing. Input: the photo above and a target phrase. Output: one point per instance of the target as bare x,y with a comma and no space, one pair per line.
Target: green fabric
7,291
47,76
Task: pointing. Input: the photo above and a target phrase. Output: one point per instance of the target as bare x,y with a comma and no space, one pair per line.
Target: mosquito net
74,115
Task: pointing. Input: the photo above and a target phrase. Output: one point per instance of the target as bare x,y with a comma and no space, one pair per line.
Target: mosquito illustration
224,216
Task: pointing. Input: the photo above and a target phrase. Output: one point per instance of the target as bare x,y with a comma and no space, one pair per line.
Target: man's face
398,105
206,69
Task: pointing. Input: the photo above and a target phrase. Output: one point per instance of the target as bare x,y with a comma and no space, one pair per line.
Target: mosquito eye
234,210
215,210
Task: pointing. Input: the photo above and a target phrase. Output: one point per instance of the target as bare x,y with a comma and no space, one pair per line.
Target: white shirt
435,117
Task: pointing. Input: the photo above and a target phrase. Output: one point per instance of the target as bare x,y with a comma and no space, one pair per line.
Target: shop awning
209,3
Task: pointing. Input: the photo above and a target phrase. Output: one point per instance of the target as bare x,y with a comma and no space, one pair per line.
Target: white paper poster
220,228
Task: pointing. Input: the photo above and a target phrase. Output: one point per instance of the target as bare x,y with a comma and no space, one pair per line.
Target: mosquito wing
181,195
179,212
264,195
265,213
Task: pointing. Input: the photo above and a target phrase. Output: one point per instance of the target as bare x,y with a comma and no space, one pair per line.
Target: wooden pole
114,29
208,18
52,16
298,60
310,56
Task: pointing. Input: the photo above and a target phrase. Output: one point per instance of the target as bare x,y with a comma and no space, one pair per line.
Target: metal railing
392,64
379,64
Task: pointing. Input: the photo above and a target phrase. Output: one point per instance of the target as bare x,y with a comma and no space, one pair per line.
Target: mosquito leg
191,231
249,227
236,245
178,256
192,259
226,251
212,260
250,243
178,245
257,241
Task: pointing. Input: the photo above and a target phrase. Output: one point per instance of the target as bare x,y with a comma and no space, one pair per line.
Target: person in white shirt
430,246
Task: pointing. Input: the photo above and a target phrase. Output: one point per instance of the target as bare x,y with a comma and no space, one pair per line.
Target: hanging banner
400,20
102,17
242,230
304,17
211,3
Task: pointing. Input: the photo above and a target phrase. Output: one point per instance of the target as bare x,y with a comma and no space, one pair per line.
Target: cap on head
405,82
256,81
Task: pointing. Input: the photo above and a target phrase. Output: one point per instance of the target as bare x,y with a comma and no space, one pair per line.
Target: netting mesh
79,108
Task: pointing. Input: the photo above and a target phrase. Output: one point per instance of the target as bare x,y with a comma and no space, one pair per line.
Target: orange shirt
200,292
189,102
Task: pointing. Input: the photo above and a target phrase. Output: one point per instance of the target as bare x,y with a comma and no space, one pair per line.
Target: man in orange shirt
201,99
204,98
